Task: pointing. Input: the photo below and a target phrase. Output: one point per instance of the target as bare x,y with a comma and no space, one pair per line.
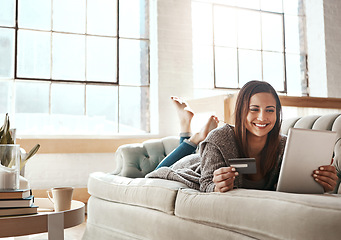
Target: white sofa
124,205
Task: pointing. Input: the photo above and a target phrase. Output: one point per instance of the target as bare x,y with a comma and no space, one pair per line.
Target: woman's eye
270,110
254,109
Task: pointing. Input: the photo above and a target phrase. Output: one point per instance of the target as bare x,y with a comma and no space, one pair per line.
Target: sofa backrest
136,160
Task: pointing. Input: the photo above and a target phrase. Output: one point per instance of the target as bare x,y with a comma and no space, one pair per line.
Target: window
238,41
75,67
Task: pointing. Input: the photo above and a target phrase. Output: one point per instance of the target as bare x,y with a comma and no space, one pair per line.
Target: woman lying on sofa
256,134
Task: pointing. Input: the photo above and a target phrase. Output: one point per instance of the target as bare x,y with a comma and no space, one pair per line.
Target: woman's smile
260,125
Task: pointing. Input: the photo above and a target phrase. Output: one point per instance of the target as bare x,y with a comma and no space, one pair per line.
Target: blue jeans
181,151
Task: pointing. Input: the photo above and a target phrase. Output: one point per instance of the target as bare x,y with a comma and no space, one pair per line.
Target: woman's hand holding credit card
244,165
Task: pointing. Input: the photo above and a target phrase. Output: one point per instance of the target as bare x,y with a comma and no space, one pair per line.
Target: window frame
301,53
114,82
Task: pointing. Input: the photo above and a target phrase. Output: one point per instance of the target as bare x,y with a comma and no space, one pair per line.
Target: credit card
244,165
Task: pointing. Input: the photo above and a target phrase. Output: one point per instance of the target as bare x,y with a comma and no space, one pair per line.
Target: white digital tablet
305,151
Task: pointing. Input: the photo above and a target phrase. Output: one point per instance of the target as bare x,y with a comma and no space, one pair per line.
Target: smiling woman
258,123
256,134
260,120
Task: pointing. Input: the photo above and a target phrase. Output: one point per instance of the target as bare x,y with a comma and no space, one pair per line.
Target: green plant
7,138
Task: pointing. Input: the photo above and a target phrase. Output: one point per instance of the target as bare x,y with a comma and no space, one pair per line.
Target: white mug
61,198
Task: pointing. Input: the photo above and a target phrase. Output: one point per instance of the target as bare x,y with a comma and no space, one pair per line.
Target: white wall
316,50
332,23
44,171
175,75
323,22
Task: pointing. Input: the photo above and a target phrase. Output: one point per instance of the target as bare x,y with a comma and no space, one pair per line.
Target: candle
8,178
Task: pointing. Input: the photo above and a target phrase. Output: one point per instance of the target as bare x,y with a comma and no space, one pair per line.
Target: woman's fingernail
315,175
317,172
316,180
236,173
233,169
321,168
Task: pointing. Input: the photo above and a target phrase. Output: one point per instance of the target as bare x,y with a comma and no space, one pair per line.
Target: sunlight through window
238,41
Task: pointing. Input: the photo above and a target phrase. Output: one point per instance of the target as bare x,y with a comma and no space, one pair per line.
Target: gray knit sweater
196,170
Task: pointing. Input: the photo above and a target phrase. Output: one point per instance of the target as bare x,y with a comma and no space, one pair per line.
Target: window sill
80,145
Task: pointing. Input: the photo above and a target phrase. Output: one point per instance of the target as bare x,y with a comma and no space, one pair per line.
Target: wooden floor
74,233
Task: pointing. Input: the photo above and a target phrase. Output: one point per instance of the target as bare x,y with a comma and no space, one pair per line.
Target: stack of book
17,202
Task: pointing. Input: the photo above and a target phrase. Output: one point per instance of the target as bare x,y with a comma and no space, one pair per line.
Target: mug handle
48,194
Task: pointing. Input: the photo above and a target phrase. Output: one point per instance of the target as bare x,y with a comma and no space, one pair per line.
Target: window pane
272,5
32,97
295,66
225,26
69,16
6,53
102,108
68,56
67,99
101,59
253,4
226,67
203,66
250,66
134,18
34,14
134,110
133,65
7,13
294,34
227,2
34,54
272,32
102,17
273,69
249,28
202,23
6,97
294,7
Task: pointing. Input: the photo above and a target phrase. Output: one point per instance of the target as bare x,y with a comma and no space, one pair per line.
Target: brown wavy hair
270,151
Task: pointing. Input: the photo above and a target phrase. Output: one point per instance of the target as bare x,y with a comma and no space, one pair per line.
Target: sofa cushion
156,194
264,214
117,221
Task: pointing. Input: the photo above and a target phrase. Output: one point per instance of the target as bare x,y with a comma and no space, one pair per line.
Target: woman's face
261,117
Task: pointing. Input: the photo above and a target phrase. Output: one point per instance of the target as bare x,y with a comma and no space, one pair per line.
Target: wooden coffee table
45,221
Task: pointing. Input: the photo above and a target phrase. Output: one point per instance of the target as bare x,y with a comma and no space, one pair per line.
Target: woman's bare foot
185,114
211,124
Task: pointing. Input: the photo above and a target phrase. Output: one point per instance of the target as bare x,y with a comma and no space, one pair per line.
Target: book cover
10,203
15,194
18,211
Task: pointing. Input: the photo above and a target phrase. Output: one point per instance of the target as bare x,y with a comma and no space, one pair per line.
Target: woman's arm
215,174
215,151
211,160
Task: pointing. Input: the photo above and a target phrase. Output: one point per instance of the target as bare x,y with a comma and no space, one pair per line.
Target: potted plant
12,157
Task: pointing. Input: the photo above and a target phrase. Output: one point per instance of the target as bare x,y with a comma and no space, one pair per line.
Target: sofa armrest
137,160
